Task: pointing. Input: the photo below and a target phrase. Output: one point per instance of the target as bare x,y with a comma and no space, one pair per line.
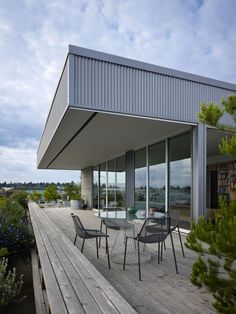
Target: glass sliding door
103,186
120,182
140,178
111,183
95,186
157,176
180,177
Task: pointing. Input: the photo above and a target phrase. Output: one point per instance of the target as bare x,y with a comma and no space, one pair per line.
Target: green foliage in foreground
218,273
10,286
14,232
3,252
21,197
211,114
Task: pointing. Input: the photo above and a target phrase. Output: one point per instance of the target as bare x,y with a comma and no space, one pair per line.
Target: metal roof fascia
93,54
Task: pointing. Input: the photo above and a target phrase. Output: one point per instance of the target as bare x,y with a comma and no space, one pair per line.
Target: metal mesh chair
174,215
89,234
154,230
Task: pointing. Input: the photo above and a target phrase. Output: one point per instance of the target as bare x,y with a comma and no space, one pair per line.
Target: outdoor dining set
134,231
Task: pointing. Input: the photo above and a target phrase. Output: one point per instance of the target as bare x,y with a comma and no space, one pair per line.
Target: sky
196,36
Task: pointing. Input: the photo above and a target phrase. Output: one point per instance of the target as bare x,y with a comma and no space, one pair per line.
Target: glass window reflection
140,179
103,183
111,183
157,176
120,182
95,186
180,177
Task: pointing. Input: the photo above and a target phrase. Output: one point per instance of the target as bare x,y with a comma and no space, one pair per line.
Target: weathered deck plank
40,303
95,282
54,294
83,289
161,289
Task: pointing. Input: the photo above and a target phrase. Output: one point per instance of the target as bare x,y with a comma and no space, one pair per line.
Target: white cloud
190,35
19,165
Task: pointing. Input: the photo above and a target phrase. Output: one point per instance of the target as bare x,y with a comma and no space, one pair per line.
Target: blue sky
190,35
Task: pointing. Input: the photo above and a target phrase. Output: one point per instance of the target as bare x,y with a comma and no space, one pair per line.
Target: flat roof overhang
85,138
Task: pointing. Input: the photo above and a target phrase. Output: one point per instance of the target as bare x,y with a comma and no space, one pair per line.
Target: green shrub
2,201
218,274
3,252
13,212
10,287
73,191
50,193
21,197
14,232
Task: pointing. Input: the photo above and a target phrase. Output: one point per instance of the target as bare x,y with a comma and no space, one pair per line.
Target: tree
72,191
211,114
50,193
35,196
217,237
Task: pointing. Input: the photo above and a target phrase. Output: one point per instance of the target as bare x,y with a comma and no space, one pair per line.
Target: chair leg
158,252
165,245
139,265
106,233
161,250
181,242
82,245
172,242
107,251
100,237
125,252
75,239
97,247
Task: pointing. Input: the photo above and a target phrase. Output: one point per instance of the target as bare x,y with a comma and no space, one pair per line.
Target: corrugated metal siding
102,85
60,102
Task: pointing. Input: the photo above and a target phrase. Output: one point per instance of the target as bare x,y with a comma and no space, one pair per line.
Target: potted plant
73,193
75,201
50,194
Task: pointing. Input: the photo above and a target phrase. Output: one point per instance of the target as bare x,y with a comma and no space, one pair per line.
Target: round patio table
136,221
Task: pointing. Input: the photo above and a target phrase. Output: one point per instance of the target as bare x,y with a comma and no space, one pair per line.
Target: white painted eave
85,138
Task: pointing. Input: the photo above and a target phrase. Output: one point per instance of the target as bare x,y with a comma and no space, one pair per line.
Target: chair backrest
154,230
79,228
174,215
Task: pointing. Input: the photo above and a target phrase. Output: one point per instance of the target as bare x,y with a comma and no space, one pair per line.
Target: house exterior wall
129,156
189,201
106,86
103,82
199,164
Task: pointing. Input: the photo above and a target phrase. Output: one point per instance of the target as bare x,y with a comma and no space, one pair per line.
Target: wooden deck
161,289
69,282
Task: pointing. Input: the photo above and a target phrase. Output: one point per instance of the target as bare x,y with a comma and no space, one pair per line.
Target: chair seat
116,224
91,233
154,230
152,238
